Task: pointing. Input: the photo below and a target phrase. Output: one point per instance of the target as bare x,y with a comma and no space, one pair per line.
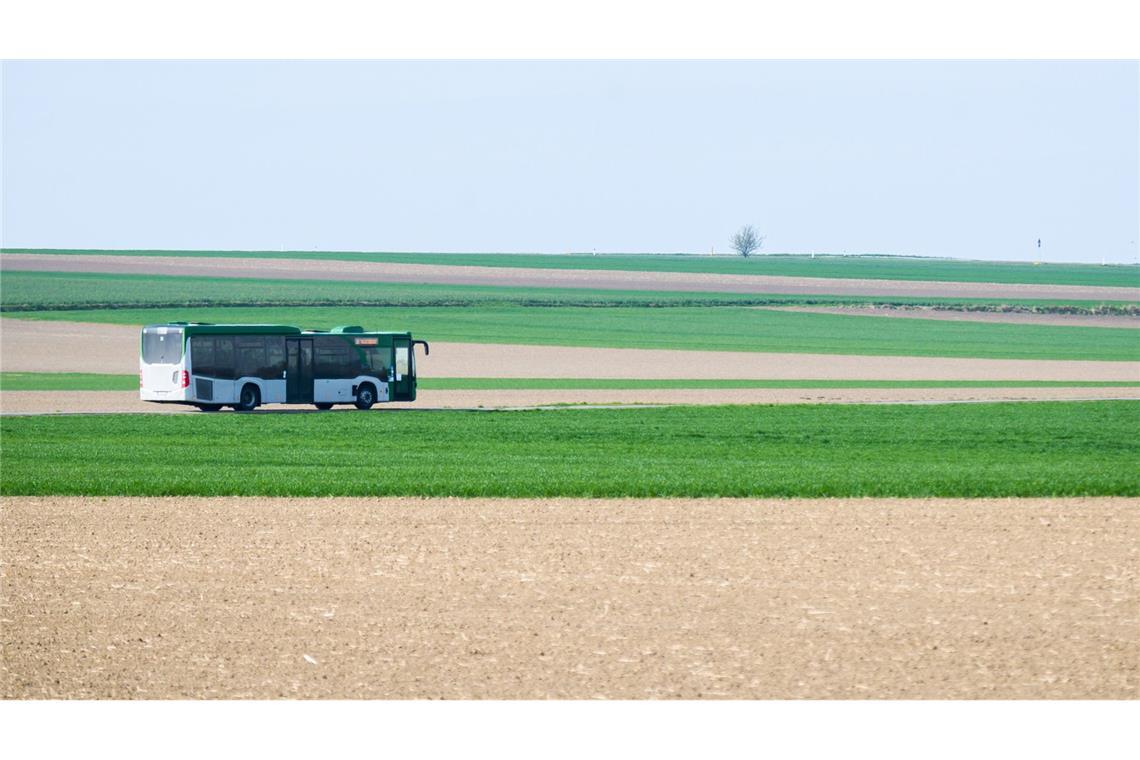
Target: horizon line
810,254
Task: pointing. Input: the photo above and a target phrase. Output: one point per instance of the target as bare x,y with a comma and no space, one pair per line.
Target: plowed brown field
447,598
28,345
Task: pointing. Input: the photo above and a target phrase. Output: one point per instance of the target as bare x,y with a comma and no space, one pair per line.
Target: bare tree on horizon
746,241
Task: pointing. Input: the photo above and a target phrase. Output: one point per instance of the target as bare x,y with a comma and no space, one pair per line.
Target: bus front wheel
248,400
365,396
323,406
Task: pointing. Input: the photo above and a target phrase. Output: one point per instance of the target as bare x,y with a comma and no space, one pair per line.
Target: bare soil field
28,345
359,271
109,402
44,346
504,599
949,315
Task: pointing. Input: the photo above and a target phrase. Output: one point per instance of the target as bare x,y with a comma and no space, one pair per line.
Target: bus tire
249,398
323,406
210,407
365,396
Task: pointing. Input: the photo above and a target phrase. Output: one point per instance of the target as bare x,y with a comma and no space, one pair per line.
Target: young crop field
79,381
33,291
66,381
843,267
693,328
1035,449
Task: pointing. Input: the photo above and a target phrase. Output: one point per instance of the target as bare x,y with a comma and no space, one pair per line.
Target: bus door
298,370
403,366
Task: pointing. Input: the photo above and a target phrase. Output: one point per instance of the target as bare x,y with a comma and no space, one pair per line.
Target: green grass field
858,267
26,291
722,329
66,381
78,381
1038,449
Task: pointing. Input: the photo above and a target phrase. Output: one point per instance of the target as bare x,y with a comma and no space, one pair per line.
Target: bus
244,366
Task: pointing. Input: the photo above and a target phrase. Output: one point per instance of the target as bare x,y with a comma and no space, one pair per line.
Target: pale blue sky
970,159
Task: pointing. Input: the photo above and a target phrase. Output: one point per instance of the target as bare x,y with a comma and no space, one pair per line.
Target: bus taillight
183,379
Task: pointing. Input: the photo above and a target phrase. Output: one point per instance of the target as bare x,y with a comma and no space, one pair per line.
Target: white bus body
345,366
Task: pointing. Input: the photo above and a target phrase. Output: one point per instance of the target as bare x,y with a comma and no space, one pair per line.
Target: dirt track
28,345
397,598
358,271
105,402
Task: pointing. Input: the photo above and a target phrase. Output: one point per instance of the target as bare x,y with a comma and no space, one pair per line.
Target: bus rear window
162,345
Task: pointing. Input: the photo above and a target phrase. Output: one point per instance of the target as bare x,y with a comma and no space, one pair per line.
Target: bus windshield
162,345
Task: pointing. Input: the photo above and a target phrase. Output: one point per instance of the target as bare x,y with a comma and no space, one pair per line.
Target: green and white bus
245,366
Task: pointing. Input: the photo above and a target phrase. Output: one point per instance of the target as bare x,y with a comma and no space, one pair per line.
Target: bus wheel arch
249,398
365,396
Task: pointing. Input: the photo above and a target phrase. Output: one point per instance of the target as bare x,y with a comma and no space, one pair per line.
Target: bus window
224,357
378,362
274,357
162,345
333,358
372,360
401,361
251,356
202,355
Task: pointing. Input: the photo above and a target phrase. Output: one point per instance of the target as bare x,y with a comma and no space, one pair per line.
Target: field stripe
33,346
73,402
826,266
977,449
80,291
78,381
681,328
507,599
365,271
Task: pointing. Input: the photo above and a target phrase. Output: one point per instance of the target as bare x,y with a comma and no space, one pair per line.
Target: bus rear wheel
210,407
365,396
248,400
323,406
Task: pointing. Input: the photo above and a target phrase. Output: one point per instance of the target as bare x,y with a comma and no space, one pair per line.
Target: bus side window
251,356
367,361
224,357
333,359
202,355
376,357
274,357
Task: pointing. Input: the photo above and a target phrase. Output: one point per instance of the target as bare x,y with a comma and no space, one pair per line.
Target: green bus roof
198,328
